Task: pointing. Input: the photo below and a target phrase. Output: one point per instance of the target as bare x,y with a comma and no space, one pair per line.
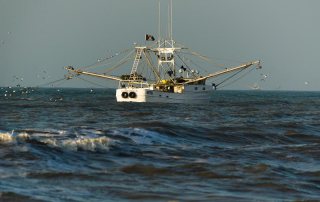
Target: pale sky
39,37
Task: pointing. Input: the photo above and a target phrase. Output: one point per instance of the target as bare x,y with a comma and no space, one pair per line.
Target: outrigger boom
215,74
227,70
78,72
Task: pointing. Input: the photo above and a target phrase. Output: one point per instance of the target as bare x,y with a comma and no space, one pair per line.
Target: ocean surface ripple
81,145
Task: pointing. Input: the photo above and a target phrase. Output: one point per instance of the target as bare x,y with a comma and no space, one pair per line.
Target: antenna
168,25
171,19
159,21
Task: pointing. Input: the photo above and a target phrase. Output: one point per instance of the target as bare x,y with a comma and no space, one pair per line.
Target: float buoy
132,95
124,94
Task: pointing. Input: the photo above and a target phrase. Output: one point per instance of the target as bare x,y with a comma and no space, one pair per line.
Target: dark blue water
80,145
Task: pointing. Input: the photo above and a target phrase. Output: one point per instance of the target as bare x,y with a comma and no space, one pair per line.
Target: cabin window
195,88
204,88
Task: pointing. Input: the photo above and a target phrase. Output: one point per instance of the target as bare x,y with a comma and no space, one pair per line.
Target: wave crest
72,144
81,143
87,144
6,138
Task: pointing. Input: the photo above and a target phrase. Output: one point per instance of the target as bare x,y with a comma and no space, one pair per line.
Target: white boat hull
194,94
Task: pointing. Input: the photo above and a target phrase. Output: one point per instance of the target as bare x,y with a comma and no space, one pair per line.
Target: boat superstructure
156,76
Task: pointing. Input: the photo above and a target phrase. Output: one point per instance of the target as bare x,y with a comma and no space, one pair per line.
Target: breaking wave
54,141
7,138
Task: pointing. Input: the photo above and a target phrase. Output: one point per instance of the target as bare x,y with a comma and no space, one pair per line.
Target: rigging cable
196,65
232,77
205,58
51,82
93,83
185,65
121,62
150,64
105,59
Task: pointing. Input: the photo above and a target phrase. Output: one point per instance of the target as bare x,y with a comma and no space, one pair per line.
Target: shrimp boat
156,75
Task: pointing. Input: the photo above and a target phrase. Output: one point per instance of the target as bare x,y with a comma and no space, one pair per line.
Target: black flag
149,37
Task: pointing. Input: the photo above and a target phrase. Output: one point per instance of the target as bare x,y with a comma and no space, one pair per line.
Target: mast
166,50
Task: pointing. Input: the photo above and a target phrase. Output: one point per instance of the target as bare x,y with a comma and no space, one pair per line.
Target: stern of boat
131,94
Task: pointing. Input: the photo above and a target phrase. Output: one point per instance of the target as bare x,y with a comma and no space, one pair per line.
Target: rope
198,66
186,65
204,58
121,62
93,83
51,82
232,77
94,65
105,59
210,60
63,79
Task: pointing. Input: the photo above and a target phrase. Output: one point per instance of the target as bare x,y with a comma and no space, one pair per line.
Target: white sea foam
11,138
6,138
80,143
22,137
88,144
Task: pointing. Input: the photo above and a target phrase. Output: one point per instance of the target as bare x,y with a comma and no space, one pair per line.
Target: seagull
264,77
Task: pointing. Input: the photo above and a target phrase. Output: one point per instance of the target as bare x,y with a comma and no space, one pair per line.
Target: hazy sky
39,37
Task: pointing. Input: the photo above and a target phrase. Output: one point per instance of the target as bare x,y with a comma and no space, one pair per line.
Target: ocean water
80,145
